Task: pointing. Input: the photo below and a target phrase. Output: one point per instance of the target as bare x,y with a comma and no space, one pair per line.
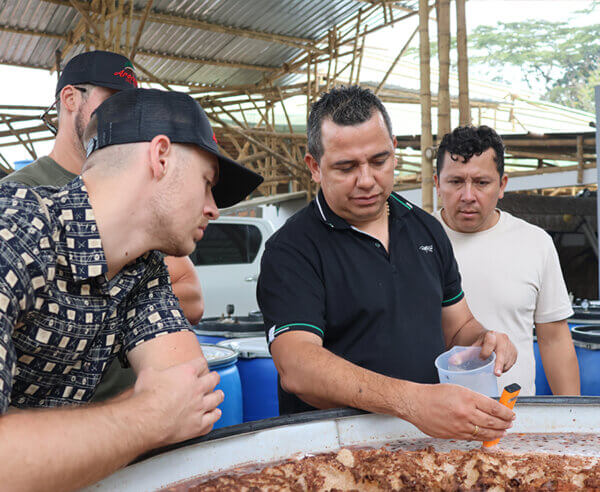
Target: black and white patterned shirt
61,320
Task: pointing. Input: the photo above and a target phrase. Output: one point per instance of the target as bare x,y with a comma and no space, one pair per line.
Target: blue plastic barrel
258,375
21,164
223,360
587,347
214,330
588,313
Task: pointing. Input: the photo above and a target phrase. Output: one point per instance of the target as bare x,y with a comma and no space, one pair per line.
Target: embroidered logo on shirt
427,248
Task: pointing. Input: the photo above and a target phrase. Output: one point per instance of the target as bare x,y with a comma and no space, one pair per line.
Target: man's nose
210,207
467,192
365,176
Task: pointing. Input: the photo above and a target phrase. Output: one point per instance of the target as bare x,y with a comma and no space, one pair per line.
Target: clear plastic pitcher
463,366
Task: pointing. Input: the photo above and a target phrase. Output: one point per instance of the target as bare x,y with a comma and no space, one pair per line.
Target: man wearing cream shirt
510,269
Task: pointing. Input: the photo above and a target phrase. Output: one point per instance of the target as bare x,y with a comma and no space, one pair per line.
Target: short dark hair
467,141
346,106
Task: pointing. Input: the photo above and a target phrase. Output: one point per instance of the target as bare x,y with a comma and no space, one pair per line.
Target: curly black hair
467,141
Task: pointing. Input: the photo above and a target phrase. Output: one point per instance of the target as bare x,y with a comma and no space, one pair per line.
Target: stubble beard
172,242
79,131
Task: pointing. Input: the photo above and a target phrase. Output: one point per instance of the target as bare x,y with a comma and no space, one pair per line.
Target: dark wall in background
571,221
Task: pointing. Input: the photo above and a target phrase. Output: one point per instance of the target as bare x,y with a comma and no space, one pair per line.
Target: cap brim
235,182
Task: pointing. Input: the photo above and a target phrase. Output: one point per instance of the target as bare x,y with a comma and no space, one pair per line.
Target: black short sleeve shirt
380,310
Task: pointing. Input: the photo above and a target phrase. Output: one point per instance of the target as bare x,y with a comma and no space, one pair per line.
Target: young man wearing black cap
81,282
86,81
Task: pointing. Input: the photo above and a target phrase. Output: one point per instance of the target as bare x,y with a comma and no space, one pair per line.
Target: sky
36,87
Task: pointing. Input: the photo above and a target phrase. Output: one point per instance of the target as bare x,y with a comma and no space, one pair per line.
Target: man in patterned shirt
86,81
82,281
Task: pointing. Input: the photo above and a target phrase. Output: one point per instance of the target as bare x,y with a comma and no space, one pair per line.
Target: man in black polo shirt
360,290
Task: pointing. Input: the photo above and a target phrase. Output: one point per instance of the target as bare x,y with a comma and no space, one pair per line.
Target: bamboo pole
120,19
360,58
580,161
330,50
140,30
463,64
128,26
426,136
395,62
22,141
443,22
355,47
308,89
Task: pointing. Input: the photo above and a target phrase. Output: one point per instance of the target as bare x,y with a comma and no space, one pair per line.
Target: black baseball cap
101,68
138,115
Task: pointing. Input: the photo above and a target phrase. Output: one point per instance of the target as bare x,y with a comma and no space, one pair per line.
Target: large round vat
258,375
214,330
586,339
279,438
223,361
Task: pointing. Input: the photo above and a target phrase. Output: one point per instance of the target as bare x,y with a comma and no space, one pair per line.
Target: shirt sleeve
553,302
290,292
17,290
152,311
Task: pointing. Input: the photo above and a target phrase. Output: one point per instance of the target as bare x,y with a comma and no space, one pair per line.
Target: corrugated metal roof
166,37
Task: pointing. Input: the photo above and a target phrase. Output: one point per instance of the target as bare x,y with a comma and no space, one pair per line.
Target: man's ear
503,182
69,98
313,166
161,156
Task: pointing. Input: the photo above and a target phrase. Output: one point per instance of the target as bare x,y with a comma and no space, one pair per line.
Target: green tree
565,59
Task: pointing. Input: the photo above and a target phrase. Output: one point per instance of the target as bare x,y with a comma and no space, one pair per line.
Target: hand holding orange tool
508,399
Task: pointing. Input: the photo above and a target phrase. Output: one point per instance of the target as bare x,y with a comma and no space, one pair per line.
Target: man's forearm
325,380
468,334
66,449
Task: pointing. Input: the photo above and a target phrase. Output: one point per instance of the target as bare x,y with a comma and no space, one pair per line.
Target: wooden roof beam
392,3
153,54
182,21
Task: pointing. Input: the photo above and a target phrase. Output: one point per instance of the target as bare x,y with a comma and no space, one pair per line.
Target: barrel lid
218,356
588,334
248,348
584,315
252,324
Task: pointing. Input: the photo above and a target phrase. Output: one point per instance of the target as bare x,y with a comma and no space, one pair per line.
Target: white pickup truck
227,261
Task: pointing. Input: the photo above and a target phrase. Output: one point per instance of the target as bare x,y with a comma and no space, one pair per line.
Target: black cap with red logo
139,115
101,68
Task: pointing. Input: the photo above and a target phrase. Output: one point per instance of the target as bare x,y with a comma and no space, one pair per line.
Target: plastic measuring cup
463,366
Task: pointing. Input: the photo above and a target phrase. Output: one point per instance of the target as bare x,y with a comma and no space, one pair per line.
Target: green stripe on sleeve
299,324
454,298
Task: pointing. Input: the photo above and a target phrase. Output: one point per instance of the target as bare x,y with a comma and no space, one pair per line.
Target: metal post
597,94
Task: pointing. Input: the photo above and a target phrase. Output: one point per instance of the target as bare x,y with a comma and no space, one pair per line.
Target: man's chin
467,226
179,250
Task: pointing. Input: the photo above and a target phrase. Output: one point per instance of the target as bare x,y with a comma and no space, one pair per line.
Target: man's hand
182,398
449,411
506,352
